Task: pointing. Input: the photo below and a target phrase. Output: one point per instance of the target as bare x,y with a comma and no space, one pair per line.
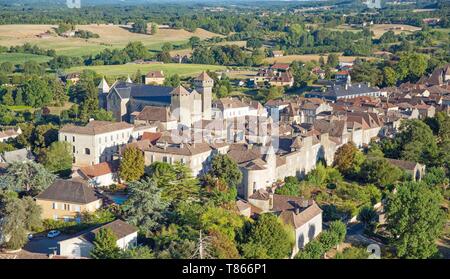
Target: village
283,138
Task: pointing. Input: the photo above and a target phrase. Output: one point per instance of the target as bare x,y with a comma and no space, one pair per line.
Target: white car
53,233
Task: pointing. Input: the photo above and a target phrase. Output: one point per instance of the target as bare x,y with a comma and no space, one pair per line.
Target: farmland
111,36
115,71
380,29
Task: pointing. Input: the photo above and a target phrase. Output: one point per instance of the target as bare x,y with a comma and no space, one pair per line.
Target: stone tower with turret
181,104
204,84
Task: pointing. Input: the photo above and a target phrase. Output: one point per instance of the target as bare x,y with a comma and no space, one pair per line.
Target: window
65,138
73,149
55,205
87,151
67,207
73,138
165,159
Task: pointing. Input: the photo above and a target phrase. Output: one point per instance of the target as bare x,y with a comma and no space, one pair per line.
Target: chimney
297,209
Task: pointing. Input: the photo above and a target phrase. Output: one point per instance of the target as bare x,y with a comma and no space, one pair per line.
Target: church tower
181,105
204,84
103,90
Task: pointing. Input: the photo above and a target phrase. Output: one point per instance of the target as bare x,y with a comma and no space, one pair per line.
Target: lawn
130,69
111,36
20,58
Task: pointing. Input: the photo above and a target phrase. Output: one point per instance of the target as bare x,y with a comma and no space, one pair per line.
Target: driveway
44,245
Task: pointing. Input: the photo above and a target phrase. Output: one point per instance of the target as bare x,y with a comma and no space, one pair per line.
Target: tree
36,92
58,158
60,96
140,26
412,66
368,217
144,207
176,182
339,229
224,221
348,159
18,216
389,76
380,172
7,67
222,246
416,142
28,177
105,245
194,41
222,166
167,47
291,187
132,164
269,232
415,220
139,252
7,97
333,60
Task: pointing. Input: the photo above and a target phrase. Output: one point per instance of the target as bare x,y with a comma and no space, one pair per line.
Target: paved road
43,244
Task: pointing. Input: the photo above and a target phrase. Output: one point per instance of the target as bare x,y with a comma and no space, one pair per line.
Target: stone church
188,106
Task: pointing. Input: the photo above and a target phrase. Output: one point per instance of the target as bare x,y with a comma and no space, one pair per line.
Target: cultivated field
130,69
308,58
111,36
380,29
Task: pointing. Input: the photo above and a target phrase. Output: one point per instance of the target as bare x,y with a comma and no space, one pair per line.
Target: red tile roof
100,169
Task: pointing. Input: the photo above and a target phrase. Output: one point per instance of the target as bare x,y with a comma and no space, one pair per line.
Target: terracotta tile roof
101,169
75,191
96,127
226,103
155,74
204,77
152,137
180,90
280,66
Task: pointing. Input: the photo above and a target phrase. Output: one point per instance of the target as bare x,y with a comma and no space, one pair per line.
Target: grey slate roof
118,227
158,95
354,89
75,191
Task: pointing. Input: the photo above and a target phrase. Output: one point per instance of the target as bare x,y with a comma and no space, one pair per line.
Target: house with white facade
303,216
80,246
97,141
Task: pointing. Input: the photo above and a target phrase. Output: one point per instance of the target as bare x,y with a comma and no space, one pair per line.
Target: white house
80,246
97,141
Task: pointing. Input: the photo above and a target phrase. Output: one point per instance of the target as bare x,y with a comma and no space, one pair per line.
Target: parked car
53,233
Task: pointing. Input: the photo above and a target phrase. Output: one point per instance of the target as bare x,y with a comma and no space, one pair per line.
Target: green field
20,58
130,69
